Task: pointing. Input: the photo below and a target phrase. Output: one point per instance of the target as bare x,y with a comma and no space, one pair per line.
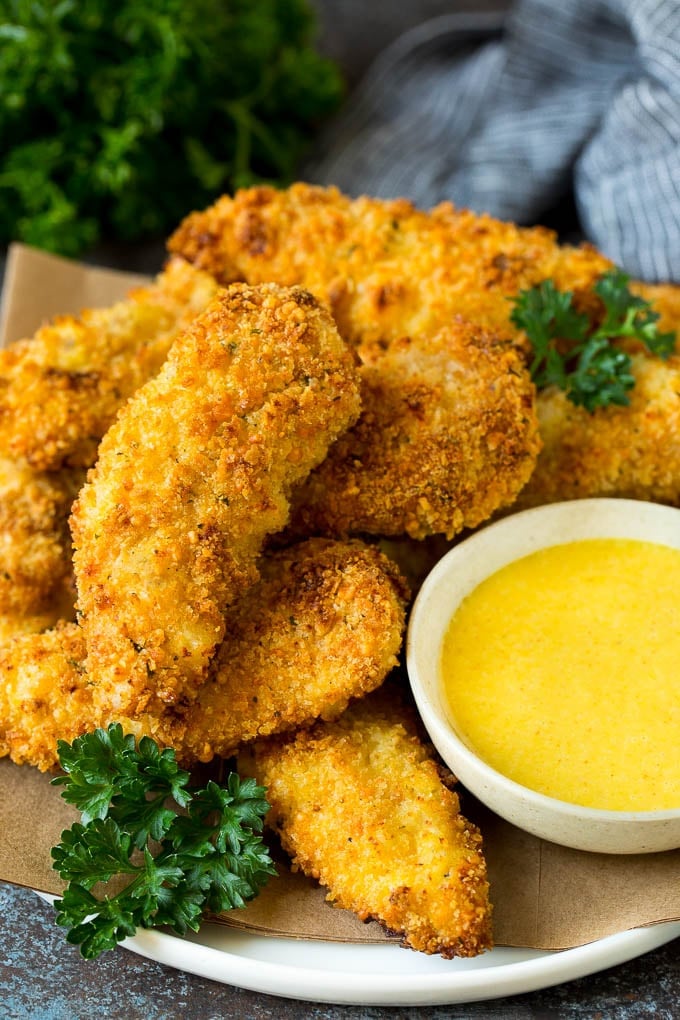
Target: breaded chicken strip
386,269
665,300
44,694
35,545
631,451
61,607
361,806
390,271
192,476
60,389
447,434
426,457
323,625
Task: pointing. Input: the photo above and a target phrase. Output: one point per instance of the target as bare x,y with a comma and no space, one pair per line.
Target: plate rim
340,987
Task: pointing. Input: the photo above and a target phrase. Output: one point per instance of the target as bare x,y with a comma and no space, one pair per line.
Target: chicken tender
387,269
193,475
665,300
422,460
60,389
447,435
623,451
390,271
323,625
631,451
61,607
44,694
35,545
361,806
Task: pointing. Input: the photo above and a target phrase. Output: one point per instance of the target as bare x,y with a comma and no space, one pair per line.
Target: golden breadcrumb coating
60,608
448,434
386,269
397,279
35,545
193,475
44,694
14,624
323,625
665,299
390,271
60,389
629,451
361,806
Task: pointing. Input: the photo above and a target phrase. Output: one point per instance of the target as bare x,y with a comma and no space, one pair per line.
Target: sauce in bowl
562,671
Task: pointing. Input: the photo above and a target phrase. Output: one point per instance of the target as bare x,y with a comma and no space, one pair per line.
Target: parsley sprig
174,865
581,359
117,118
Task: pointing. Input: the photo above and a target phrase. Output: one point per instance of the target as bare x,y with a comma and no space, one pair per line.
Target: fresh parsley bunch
174,865
117,118
578,358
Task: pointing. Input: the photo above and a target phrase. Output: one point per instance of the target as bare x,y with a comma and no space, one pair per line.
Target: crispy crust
193,475
629,451
44,694
361,806
323,625
448,434
398,282
35,545
386,269
60,389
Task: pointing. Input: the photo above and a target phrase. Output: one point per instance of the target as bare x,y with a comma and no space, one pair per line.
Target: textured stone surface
44,978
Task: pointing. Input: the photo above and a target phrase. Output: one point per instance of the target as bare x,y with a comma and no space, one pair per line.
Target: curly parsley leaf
627,314
93,853
601,376
93,925
107,775
546,312
173,865
116,119
582,360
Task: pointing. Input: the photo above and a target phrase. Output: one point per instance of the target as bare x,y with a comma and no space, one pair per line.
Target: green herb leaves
580,359
175,866
117,119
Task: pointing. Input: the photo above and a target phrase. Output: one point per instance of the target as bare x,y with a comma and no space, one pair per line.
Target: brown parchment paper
544,896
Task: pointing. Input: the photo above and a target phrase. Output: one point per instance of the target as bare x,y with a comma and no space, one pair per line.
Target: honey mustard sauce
562,671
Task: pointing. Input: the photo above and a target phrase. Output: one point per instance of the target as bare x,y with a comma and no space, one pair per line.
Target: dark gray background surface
43,978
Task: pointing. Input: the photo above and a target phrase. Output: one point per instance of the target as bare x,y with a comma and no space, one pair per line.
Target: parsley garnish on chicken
579,359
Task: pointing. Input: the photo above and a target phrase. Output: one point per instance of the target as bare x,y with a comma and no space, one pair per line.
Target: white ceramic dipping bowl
454,577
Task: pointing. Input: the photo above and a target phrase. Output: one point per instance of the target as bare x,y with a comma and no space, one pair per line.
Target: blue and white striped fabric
581,94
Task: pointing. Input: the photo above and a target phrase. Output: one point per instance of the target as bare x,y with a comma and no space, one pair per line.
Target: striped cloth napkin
508,116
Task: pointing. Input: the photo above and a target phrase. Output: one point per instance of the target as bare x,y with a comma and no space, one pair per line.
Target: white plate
383,975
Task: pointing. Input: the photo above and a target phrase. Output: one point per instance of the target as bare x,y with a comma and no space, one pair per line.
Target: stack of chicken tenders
199,484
